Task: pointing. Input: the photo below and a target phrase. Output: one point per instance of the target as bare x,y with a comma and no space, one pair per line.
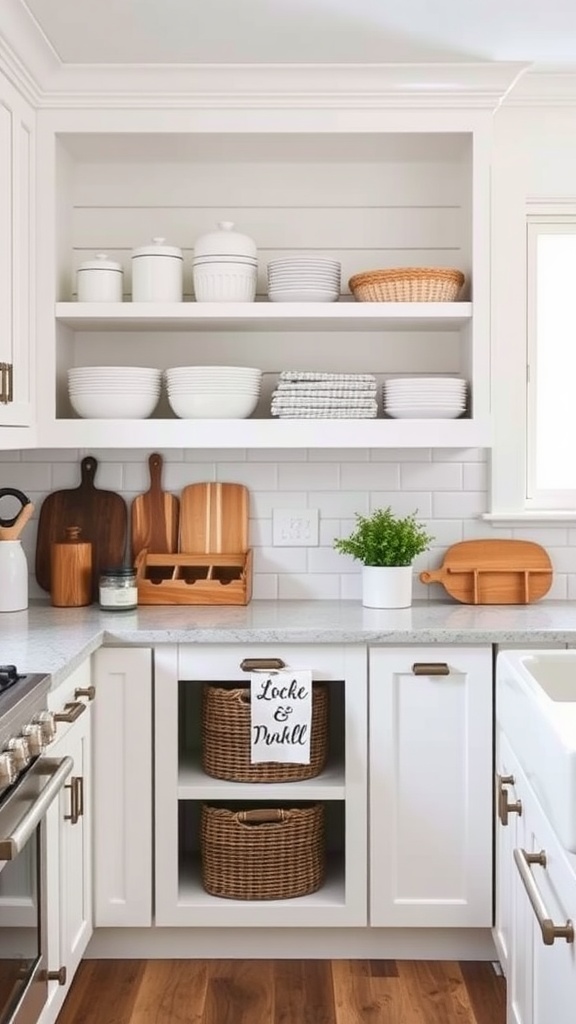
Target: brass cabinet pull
504,807
10,370
85,691
430,668
76,787
261,664
72,711
550,931
59,976
3,383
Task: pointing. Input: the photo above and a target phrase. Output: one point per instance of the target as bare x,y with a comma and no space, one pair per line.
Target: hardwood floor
285,992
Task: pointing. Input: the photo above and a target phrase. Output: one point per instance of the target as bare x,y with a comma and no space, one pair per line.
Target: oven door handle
28,804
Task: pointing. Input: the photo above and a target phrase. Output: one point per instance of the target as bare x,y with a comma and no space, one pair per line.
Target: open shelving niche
393,198
182,786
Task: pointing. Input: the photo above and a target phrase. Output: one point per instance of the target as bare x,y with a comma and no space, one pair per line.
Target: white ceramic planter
386,587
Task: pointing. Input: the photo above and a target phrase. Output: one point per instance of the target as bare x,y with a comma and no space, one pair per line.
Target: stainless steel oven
29,781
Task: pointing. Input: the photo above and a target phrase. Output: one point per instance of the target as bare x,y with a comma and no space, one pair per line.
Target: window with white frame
551,362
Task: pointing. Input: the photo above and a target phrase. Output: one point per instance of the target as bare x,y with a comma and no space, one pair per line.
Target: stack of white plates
303,279
424,397
114,392
215,392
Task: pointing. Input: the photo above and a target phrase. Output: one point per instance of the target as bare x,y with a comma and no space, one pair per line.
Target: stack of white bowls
304,279
213,392
114,392
225,266
424,397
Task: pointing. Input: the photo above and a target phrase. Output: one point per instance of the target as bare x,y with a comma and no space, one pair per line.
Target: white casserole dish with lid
225,242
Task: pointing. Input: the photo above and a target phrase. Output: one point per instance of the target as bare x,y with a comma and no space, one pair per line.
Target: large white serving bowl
213,406
101,406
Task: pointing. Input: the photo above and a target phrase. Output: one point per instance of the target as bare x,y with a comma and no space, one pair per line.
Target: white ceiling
307,31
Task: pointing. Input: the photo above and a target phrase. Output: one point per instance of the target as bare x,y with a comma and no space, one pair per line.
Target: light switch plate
295,527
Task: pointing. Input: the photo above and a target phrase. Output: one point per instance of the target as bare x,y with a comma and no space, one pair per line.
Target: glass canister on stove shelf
118,590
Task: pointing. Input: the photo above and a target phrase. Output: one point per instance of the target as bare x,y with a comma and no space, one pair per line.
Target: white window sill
547,517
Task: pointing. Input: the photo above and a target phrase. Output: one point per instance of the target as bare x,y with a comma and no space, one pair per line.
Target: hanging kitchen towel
281,716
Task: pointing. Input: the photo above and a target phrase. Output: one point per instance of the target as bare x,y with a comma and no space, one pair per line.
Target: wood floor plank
383,968
303,992
363,999
434,992
172,991
486,990
103,992
239,992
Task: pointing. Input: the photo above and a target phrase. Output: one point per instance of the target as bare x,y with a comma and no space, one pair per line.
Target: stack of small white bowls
303,279
114,392
424,397
225,266
213,392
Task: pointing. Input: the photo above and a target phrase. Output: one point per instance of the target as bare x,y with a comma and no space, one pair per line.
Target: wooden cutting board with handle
214,519
101,515
154,516
494,572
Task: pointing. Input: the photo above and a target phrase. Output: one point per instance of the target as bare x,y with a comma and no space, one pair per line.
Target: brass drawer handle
550,931
85,691
262,664
430,668
59,976
504,807
76,787
71,712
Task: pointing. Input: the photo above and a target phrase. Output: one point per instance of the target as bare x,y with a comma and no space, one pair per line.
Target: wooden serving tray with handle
494,572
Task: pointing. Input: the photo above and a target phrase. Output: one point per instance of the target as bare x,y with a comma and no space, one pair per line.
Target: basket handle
261,816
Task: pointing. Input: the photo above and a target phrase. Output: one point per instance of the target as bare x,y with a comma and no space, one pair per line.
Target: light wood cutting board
494,572
155,515
214,519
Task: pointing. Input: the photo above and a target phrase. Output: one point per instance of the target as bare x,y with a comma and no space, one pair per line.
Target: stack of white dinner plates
424,397
213,392
303,279
114,392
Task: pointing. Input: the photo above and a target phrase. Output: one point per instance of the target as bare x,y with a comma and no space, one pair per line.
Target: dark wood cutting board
494,572
101,515
154,515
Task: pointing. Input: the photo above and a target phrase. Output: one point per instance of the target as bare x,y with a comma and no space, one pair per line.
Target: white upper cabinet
370,189
17,217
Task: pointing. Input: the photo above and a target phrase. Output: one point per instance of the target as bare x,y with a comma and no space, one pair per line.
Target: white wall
447,487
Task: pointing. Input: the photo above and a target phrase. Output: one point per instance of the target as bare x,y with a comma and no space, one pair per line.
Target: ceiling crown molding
316,86
545,86
26,56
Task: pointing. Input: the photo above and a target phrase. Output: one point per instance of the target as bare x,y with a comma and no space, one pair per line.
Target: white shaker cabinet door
17,133
431,787
123,787
508,811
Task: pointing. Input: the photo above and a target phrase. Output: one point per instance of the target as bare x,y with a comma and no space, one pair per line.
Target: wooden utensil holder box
194,579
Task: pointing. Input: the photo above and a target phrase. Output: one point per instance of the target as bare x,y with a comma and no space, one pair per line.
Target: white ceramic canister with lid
99,280
225,242
14,576
157,273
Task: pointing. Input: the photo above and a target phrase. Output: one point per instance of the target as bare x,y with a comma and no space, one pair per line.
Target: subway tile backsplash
448,487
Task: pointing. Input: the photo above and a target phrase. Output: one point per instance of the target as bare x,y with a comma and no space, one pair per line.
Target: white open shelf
253,316
194,784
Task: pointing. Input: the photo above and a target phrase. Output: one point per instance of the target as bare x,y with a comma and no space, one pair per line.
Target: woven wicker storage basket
264,854
226,738
407,284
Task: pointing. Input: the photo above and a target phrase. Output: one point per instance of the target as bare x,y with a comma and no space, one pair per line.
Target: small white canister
157,273
99,280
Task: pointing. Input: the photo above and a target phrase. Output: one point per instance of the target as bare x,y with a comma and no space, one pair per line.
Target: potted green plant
386,545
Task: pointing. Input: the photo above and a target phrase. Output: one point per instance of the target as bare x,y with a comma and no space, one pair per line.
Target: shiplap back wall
448,487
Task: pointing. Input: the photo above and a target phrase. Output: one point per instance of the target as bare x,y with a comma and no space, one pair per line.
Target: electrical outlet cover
295,527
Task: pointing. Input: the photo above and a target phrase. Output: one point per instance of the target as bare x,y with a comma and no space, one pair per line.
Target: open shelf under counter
195,906
194,784
269,433
265,316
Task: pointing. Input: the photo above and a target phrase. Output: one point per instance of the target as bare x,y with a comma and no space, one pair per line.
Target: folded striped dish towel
308,391
305,412
350,380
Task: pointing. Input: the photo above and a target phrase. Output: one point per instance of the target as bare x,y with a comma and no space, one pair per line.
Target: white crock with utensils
13,563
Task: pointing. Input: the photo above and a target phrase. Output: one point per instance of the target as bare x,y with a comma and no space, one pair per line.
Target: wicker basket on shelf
262,854
407,284
225,727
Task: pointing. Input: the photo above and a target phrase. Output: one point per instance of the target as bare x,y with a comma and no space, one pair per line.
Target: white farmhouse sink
536,708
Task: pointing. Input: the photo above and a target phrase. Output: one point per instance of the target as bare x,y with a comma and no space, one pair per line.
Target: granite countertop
56,640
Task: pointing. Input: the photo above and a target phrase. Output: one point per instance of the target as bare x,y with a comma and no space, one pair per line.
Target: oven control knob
18,747
47,723
8,772
35,738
